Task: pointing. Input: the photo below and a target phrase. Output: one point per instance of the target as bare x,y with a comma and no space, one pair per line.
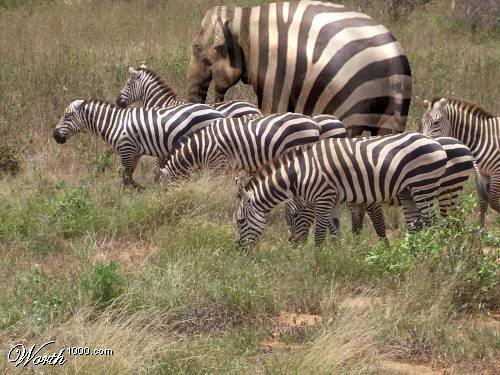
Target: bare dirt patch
129,254
400,368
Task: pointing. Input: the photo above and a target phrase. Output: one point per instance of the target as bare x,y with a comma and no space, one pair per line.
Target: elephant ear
219,38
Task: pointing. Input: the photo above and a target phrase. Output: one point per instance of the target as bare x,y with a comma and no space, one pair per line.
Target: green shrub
102,162
105,283
75,211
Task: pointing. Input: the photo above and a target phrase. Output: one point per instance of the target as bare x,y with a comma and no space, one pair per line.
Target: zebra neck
160,95
468,128
104,119
272,187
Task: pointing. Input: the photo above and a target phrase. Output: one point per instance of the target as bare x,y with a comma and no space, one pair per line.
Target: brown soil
130,255
400,368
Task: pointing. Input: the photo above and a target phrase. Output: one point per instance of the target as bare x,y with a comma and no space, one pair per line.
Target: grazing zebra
308,57
246,145
459,165
362,171
134,132
478,130
147,86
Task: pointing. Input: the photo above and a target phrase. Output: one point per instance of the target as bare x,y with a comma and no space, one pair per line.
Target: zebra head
168,176
70,123
250,221
299,217
435,120
133,89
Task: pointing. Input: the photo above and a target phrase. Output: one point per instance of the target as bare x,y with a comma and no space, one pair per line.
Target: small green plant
102,162
76,212
105,283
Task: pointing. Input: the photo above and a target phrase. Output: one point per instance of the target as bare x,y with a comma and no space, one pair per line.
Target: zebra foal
478,130
361,171
134,132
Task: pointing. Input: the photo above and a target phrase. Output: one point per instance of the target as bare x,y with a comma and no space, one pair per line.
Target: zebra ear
219,39
131,71
76,104
440,103
241,190
143,65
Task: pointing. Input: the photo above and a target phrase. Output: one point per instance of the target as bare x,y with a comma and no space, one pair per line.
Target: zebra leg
334,224
129,162
483,208
322,213
410,212
160,163
447,202
426,209
357,217
494,193
377,217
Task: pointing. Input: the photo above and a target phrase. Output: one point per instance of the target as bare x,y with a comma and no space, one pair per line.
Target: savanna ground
155,276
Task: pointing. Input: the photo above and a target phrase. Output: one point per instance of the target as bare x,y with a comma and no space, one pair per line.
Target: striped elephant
308,57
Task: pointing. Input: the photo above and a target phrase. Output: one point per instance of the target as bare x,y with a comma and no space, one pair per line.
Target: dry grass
137,339
175,249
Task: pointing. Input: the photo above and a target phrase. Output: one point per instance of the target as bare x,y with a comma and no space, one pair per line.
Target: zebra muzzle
59,138
120,102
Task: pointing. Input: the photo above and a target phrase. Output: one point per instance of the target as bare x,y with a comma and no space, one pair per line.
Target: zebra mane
286,157
161,81
100,101
479,111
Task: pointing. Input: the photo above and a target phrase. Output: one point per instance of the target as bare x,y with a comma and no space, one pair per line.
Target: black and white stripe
478,130
154,92
134,132
308,57
361,171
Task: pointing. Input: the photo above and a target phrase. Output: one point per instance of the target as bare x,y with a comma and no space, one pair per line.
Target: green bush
75,211
105,283
102,162
450,249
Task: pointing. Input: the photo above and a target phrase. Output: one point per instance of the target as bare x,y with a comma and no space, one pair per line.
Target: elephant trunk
198,80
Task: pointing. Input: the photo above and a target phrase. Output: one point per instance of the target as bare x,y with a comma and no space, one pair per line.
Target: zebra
459,165
478,130
308,57
246,145
362,171
134,132
147,86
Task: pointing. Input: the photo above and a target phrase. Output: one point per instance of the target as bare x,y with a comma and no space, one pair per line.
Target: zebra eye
240,220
